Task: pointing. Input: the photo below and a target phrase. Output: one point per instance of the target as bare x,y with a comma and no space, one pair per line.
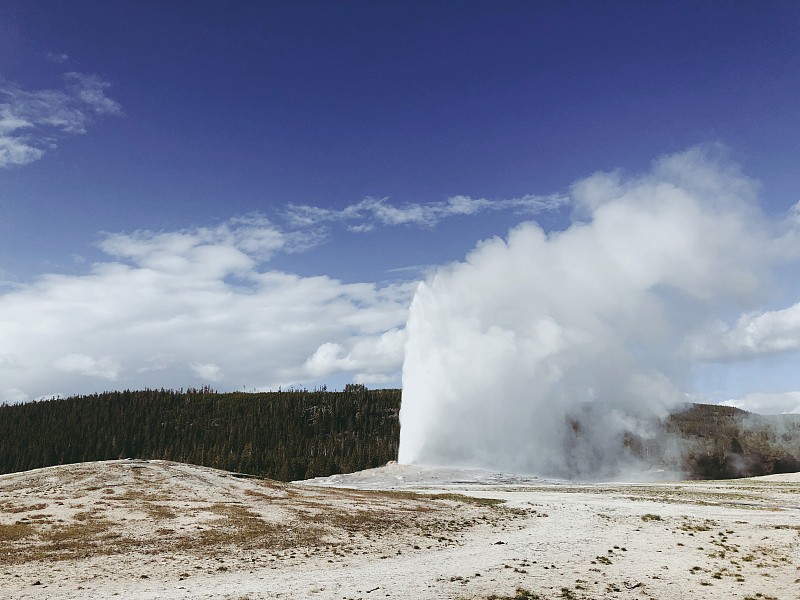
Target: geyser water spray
538,353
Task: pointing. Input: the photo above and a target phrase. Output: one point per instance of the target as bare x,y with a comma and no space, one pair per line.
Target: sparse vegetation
468,499
334,521
521,594
160,511
14,532
216,522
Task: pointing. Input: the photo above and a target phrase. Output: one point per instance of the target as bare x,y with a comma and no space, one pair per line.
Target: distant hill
721,442
298,434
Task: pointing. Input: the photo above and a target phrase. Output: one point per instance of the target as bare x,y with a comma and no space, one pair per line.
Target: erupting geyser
506,349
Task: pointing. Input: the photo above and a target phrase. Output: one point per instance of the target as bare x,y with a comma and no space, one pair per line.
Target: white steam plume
506,349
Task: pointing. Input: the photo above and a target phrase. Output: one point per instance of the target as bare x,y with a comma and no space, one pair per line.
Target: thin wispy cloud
57,57
371,212
33,121
246,240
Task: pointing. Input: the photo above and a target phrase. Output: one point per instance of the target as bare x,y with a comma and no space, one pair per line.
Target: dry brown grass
14,532
56,542
160,511
239,526
469,499
260,495
364,521
135,495
12,507
85,515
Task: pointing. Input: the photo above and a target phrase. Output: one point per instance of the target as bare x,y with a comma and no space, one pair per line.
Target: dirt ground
156,529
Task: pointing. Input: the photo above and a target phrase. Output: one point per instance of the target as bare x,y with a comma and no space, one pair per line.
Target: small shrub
651,517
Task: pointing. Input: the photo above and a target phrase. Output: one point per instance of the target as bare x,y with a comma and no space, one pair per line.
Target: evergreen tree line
298,434
283,435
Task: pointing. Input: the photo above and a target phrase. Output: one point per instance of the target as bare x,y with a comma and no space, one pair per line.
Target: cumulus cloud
32,122
207,371
370,357
366,214
507,349
768,404
754,334
182,308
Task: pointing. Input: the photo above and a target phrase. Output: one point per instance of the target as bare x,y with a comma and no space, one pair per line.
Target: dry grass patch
244,528
364,521
521,594
651,517
468,499
262,496
57,542
13,533
143,495
12,507
160,511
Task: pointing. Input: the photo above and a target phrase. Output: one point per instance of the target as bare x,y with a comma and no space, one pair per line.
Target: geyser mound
558,353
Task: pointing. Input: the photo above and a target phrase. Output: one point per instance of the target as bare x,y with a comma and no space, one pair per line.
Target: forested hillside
722,442
299,434
281,435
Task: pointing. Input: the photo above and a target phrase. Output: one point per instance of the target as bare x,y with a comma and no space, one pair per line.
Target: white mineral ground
157,529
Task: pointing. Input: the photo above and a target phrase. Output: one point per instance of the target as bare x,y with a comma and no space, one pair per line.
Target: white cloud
31,122
377,379
104,367
365,215
90,90
178,308
234,245
768,404
15,151
754,334
207,371
371,356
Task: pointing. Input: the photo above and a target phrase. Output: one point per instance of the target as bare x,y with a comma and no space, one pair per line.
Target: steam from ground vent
549,353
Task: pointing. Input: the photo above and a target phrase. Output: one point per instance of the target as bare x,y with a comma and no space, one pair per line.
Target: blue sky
324,142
